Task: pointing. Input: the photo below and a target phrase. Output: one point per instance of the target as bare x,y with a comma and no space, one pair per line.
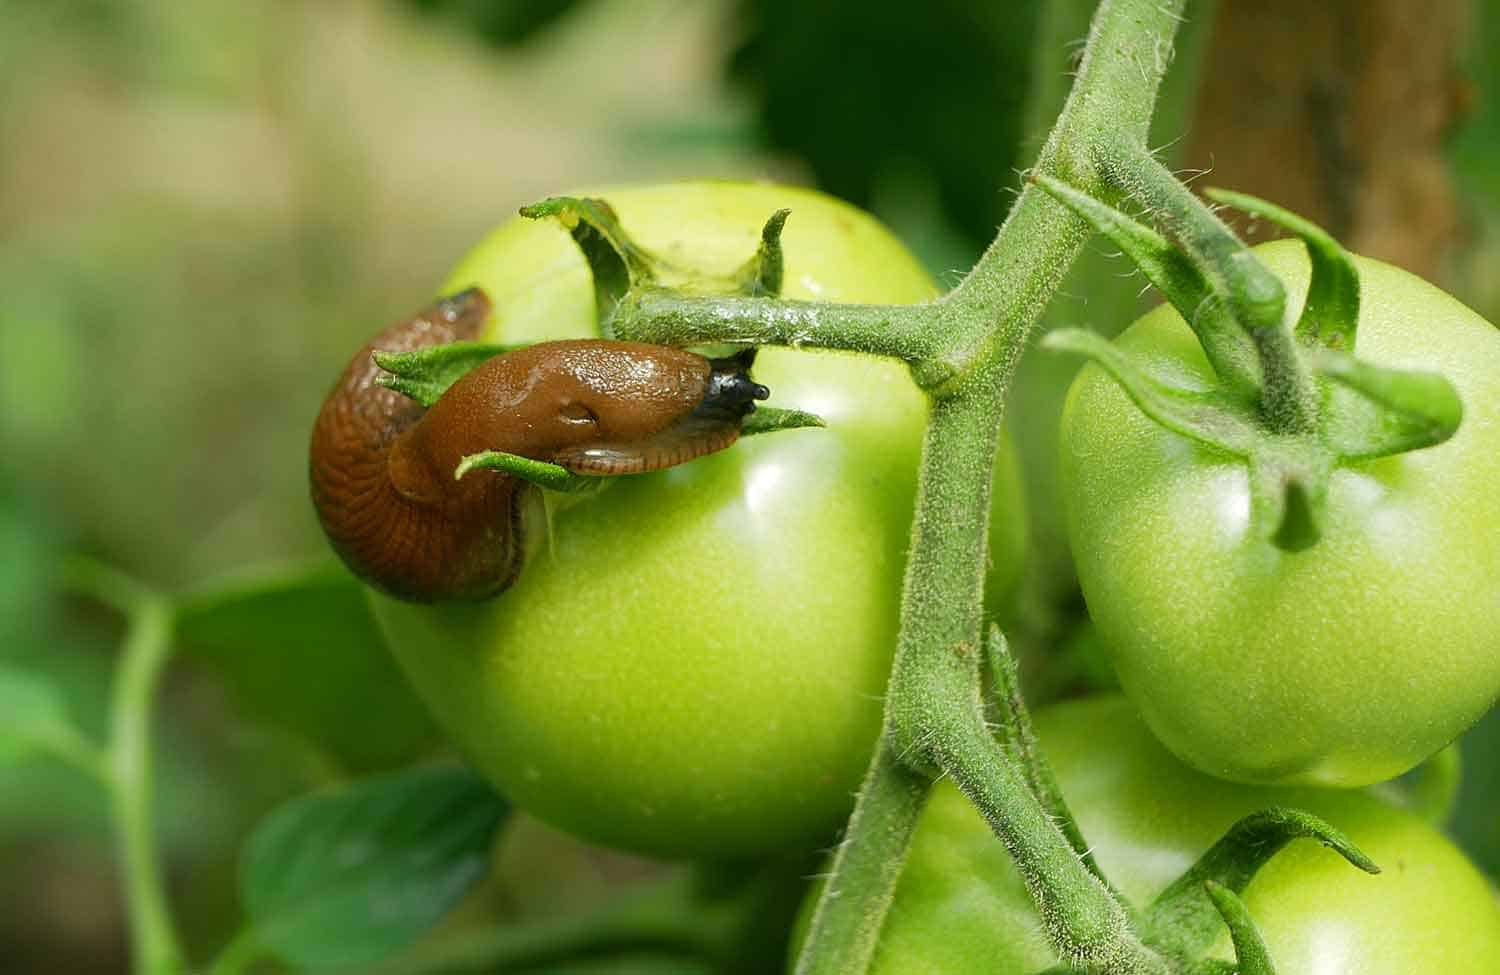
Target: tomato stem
154,945
665,317
1238,283
845,927
935,718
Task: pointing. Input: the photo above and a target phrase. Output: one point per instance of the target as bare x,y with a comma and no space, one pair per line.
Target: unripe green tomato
960,908
692,664
1343,664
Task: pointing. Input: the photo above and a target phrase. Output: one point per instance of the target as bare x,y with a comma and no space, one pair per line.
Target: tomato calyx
623,269
619,266
1293,402
1186,918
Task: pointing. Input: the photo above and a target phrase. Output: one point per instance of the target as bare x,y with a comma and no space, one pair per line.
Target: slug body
382,466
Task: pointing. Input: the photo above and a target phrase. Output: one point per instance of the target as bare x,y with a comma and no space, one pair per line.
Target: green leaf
1330,314
761,275
616,261
1390,412
425,374
550,476
351,876
1184,918
769,419
299,650
1249,949
34,721
1198,416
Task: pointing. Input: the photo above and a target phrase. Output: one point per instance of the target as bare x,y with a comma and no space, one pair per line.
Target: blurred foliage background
204,206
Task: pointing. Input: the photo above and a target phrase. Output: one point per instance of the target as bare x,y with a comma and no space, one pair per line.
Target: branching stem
154,944
933,710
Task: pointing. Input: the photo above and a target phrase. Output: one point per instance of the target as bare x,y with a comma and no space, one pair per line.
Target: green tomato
960,906
1344,664
692,664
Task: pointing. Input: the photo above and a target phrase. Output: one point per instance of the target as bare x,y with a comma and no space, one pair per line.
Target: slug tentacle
382,467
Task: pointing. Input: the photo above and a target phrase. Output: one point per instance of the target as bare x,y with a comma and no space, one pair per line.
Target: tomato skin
960,906
692,663
1344,664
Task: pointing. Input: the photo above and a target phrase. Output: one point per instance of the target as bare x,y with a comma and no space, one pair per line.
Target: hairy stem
897,331
1255,297
865,868
933,709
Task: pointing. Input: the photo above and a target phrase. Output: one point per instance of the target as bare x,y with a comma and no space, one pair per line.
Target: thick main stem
935,712
933,709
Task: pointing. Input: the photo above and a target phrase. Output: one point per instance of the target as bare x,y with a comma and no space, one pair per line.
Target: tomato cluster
691,663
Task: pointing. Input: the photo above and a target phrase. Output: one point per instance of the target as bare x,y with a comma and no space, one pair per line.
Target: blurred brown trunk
1338,111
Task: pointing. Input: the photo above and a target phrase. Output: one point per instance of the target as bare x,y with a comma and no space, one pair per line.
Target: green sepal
1203,417
1288,491
617,262
769,419
1229,349
1250,952
425,374
760,277
1288,476
1018,738
1185,921
1330,314
538,472
1393,410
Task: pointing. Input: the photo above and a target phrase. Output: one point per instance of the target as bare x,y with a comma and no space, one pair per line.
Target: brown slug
382,466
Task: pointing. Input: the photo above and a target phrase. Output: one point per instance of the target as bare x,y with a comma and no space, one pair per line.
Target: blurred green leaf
25,539
33,717
350,876
298,649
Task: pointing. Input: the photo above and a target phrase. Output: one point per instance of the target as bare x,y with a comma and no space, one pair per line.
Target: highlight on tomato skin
961,908
691,663
1343,664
